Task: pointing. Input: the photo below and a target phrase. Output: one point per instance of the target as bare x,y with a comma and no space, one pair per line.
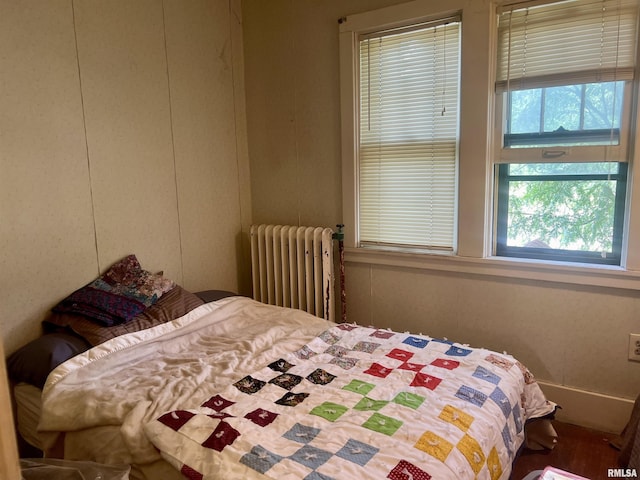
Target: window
561,211
408,136
565,71
545,102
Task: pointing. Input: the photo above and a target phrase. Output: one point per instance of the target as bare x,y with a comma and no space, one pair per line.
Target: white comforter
101,399
104,399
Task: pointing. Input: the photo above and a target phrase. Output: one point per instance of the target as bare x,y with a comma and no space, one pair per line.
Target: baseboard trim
589,409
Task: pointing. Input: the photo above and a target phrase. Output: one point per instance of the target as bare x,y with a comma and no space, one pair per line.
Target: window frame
503,250
477,148
584,153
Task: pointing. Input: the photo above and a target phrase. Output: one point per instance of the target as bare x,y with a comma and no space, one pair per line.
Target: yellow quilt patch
493,464
456,417
471,450
434,445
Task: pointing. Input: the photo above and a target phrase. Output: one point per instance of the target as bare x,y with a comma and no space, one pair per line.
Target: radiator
293,267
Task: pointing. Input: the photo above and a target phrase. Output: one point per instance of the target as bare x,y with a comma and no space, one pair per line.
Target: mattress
28,411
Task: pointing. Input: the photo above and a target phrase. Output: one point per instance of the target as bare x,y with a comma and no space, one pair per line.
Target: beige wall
121,131
570,336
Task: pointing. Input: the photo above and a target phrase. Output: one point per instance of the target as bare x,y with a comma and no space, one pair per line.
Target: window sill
559,272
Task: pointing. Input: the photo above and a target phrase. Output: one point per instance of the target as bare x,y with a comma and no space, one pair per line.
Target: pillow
33,362
173,304
214,295
121,293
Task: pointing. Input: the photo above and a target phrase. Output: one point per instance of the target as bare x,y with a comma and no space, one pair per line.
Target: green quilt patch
369,404
408,399
358,386
329,411
382,424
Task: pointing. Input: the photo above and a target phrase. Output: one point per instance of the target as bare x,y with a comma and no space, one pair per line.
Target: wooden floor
579,450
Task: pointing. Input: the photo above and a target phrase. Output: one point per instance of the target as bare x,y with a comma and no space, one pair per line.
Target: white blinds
409,136
581,40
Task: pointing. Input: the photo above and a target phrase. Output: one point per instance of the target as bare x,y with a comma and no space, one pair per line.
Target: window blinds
582,41
409,82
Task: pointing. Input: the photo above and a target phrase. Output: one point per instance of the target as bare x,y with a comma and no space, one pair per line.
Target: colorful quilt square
261,417
301,433
358,386
434,445
345,363
176,419
456,417
502,401
484,374
217,403
357,452
368,347
501,362
249,385
494,465
528,376
472,451
378,370
369,404
409,399
347,327
329,337
190,473
413,367
382,424
407,471
517,417
471,395
425,380
416,341
305,353
311,457
281,365
329,411
292,399
223,435
337,351
286,380
260,459
508,441
384,334
320,377
457,351
400,354
445,363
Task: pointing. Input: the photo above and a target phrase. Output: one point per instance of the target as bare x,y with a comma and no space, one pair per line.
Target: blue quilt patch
484,374
357,452
471,395
311,457
260,459
302,433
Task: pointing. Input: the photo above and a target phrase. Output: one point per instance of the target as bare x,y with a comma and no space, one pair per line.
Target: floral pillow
121,293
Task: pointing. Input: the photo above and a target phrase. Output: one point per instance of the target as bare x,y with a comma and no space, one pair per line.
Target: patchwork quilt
359,402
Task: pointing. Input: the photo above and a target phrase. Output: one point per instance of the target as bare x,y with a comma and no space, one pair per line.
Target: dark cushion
213,295
33,362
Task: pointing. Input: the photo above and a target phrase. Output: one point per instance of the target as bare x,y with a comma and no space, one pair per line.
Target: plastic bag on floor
53,468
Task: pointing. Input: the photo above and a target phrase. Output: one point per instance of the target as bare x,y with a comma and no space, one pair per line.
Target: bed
238,389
